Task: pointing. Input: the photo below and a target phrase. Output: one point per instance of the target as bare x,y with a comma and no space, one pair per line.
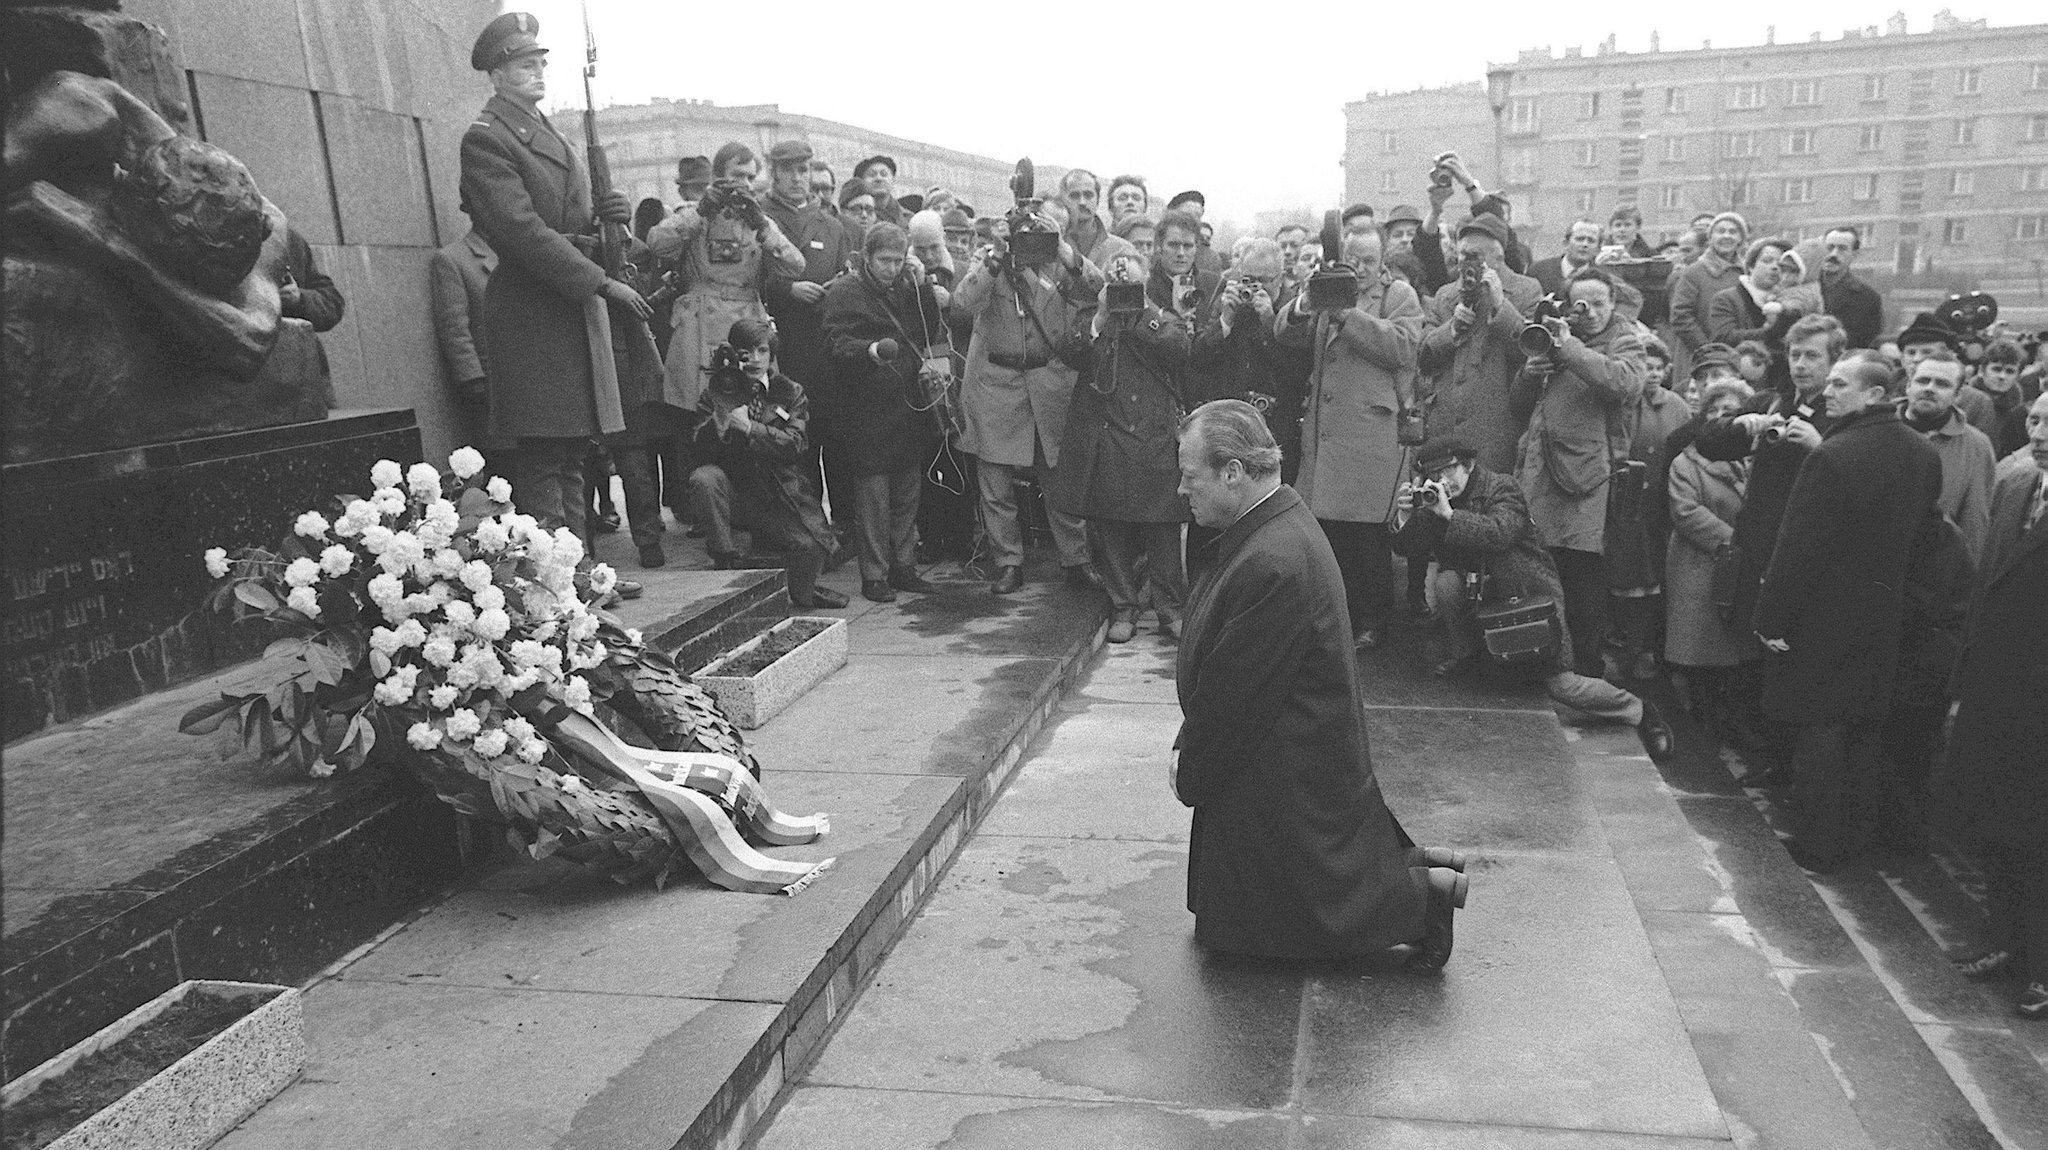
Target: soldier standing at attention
553,382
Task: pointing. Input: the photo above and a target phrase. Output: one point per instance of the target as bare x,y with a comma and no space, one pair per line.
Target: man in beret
549,308
793,300
878,174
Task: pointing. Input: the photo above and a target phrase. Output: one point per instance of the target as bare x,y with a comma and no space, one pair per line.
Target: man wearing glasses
1235,354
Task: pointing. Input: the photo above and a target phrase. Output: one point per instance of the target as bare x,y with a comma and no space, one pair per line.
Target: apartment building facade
1935,145
1391,139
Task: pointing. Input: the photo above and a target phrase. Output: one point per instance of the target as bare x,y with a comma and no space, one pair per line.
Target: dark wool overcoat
1835,586
1772,469
1293,851
1118,455
1996,768
871,427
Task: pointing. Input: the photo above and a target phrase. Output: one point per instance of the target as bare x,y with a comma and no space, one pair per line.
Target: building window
1749,95
1387,180
2033,179
1738,145
1589,105
1586,153
1866,187
2030,227
1799,191
1586,201
2037,126
1871,138
1969,81
1671,196
1966,131
1873,86
1742,192
1389,142
1955,231
1962,183
1522,114
1522,165
1674,148
1799,142
1675,103
1803,92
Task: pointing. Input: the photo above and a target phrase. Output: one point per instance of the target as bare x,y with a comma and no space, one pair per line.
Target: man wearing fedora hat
549,309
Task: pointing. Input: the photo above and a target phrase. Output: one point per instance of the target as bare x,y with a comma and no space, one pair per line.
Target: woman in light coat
1705,498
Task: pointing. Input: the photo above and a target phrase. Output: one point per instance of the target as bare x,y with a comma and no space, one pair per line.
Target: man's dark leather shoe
1655,734
1009,581
651,555
824,598
627,589
907,579
1446,894
1082,577
878,590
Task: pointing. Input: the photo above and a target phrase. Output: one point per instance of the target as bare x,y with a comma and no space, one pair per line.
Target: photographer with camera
1024,291
1469,343
723,251
1475,523
1580,394
879,328
752,452
794,298
1363,377
1235,353
1118,468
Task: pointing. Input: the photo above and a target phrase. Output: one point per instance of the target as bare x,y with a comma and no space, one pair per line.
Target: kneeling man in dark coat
1293,853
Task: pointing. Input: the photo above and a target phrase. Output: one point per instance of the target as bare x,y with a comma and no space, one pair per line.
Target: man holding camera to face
1469,344
1024,291
1579,393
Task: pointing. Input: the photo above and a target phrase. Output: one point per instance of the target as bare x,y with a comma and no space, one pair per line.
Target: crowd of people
1708,462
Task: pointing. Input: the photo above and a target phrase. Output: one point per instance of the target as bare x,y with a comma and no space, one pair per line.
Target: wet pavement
1640,965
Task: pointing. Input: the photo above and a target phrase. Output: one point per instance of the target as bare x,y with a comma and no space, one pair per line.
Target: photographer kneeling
754,454
1475,524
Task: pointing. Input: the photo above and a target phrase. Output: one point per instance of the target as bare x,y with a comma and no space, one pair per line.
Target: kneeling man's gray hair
1233,429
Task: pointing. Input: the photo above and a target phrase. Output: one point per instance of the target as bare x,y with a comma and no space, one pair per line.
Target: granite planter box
191,1103
753,699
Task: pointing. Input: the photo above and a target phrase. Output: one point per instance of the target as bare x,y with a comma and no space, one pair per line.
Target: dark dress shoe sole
878,591
822,598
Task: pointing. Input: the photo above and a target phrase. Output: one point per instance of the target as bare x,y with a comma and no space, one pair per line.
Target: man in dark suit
1293,852
1832,611
1846,297
554,381
795,301
1581,244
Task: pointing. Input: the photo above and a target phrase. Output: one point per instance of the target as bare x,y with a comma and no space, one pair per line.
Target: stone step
136,857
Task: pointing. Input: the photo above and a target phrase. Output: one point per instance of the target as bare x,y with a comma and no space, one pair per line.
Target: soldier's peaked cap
510,35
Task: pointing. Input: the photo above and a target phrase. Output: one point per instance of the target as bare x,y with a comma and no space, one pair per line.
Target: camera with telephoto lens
1033,242
1334,286
1536,338
1124,297
1247,296
734,199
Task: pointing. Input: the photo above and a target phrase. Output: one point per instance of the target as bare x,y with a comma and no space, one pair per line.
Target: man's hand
915,267
1755,423
1173,772
288,295
1442,506
624,295
740,421
1262,303
1802,433
1773,309
1405,499
807,292
615,208
1463,317
1439,195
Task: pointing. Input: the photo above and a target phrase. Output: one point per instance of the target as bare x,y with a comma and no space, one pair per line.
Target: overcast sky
1216,96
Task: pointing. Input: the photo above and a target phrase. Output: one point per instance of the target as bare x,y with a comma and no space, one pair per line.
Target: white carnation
383,640
387,592
443,697
533,750
320,769
388,501
490,744
492,624
459,612
603,578
423,481
393,691
422,603
634,636
465,462
305,601
377,538
217,562
411,633
461,675
476,575
576,692
567,544
443,514
491,598
312,525
582,627
527,653
337,560
463,723
499,489
386,473
302,572
423,736
521,680
359,514
492,536
438,651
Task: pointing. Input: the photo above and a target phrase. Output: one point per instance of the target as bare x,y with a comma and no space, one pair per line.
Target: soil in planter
100,1080
774,646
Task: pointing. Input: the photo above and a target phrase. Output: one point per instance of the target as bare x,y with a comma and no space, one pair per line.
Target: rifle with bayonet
611,237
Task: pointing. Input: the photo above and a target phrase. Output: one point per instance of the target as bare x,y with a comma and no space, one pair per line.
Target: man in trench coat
552,318
1293,853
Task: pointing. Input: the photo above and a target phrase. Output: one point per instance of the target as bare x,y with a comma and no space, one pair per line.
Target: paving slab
1483,780
1097,772
436,1067
842,1119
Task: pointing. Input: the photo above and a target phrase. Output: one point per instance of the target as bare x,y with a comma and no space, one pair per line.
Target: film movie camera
1536,338
1124,295
1033,242
1334,286
1471,280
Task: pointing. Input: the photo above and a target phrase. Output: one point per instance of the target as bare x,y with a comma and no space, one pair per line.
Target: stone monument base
104,568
